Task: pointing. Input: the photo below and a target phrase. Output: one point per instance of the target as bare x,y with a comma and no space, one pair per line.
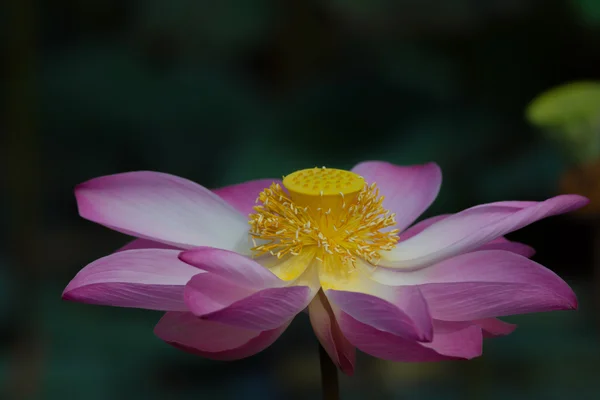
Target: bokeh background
222,92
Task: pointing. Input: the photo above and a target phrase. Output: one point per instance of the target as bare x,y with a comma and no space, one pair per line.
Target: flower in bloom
232,267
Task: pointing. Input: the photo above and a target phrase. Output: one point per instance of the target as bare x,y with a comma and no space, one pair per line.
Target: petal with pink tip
262,310
243,196
472,228
493,327
464,343
213,340
152,279
401,311
213,293
162,208
408,190
238,291
231,266
486,284
329,334
500,243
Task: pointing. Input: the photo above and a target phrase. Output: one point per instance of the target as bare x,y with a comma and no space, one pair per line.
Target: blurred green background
222,92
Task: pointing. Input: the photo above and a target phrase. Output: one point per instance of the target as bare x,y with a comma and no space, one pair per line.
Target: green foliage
570,115
564,104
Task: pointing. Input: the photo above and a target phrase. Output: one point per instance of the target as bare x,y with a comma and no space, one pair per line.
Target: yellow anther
335,224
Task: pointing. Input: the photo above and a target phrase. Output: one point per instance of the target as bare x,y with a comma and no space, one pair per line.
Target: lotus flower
231,274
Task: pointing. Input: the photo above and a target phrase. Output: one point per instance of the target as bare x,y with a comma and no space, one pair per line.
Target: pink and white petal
163,208
400,310
472,228
232,266
459,345
408,190
137,244
262,310
243,196
486,284
152,279
421,226
322,319
500,243
493,327
213,340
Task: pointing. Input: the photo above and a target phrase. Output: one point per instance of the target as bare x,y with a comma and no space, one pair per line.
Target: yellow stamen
330,213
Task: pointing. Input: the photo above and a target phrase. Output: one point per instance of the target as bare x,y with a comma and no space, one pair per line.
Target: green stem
329,376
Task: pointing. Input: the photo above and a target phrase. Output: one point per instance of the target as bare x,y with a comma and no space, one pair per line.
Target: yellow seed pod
324,188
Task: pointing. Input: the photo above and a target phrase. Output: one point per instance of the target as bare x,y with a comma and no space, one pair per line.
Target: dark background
225,91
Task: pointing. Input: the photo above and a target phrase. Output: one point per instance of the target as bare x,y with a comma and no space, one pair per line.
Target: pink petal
456,339
153,279
472,228
408,190
506,245
187,329
401,311
329,334
213,340
493,327
213,300
236,290
486,284
500,243
213,293
137,244
243,196
231,266
162,208
464,342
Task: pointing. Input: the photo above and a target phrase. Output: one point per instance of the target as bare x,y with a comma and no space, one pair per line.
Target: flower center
330,213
